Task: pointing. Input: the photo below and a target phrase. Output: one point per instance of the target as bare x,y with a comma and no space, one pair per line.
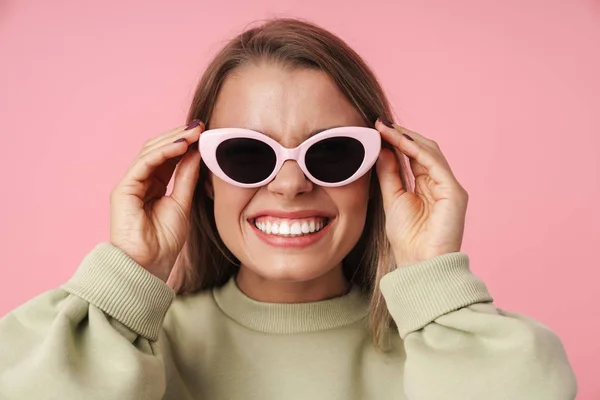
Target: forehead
286,104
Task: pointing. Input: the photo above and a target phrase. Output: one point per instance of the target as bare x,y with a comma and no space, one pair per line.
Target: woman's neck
332,284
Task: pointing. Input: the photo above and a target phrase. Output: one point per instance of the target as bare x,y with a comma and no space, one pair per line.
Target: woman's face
287,105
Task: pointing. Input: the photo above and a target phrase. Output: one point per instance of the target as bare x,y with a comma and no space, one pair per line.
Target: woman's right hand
148,226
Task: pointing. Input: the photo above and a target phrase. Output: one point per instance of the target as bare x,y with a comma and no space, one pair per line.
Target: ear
208,187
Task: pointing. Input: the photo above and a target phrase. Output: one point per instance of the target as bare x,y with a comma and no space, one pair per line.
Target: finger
172,133
416,136
424,160
189,135
152,141
388,172
164,173
191,140
145,165
186,179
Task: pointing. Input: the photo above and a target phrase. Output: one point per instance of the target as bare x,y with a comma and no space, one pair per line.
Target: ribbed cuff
417,294
110,280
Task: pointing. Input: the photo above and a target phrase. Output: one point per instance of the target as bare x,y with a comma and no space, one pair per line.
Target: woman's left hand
431,221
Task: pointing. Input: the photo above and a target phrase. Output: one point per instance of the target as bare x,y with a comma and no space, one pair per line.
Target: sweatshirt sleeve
92,338
459,346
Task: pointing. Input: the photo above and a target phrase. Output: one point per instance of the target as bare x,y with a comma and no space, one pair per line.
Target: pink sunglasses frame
368,137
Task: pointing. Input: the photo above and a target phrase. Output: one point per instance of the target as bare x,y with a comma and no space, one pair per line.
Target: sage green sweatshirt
115,331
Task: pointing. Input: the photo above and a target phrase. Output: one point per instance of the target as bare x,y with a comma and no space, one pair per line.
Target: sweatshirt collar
286,318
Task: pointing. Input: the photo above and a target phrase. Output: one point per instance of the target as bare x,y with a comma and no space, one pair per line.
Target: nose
290,181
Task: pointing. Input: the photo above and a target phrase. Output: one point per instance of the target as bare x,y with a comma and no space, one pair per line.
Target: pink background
510,90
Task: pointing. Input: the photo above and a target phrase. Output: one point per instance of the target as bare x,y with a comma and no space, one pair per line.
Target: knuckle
116,190
146,159
114,195
143,160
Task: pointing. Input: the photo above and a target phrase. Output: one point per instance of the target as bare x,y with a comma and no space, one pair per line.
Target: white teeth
296,230
305,228
291,228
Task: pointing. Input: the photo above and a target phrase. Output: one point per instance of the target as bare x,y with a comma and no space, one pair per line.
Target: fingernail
194,123
408,137
179,140
386,122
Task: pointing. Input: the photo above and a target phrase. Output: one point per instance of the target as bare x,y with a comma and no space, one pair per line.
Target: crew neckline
288,318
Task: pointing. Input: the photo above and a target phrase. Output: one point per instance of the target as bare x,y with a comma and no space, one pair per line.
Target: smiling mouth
290,227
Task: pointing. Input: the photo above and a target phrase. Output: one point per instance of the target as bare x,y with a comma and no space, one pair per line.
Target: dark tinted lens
335,159
246,160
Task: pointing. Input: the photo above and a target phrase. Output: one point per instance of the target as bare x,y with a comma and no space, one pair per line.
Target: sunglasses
246,158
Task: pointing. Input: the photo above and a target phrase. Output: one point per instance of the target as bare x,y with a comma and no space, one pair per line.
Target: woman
307,273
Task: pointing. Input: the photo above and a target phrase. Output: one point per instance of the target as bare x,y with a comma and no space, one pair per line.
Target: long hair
205,262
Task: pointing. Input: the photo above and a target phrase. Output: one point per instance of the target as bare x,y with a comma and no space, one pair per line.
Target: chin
290,268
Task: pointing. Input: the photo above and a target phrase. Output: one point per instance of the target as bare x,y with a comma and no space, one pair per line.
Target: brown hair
205,262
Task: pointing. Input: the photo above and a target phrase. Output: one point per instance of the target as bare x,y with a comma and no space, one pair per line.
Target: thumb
388,172
186,178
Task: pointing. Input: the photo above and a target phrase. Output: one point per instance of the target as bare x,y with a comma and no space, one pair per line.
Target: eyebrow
313,133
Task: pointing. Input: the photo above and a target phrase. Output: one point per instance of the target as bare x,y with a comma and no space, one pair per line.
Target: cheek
352,200
229,202
359,191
